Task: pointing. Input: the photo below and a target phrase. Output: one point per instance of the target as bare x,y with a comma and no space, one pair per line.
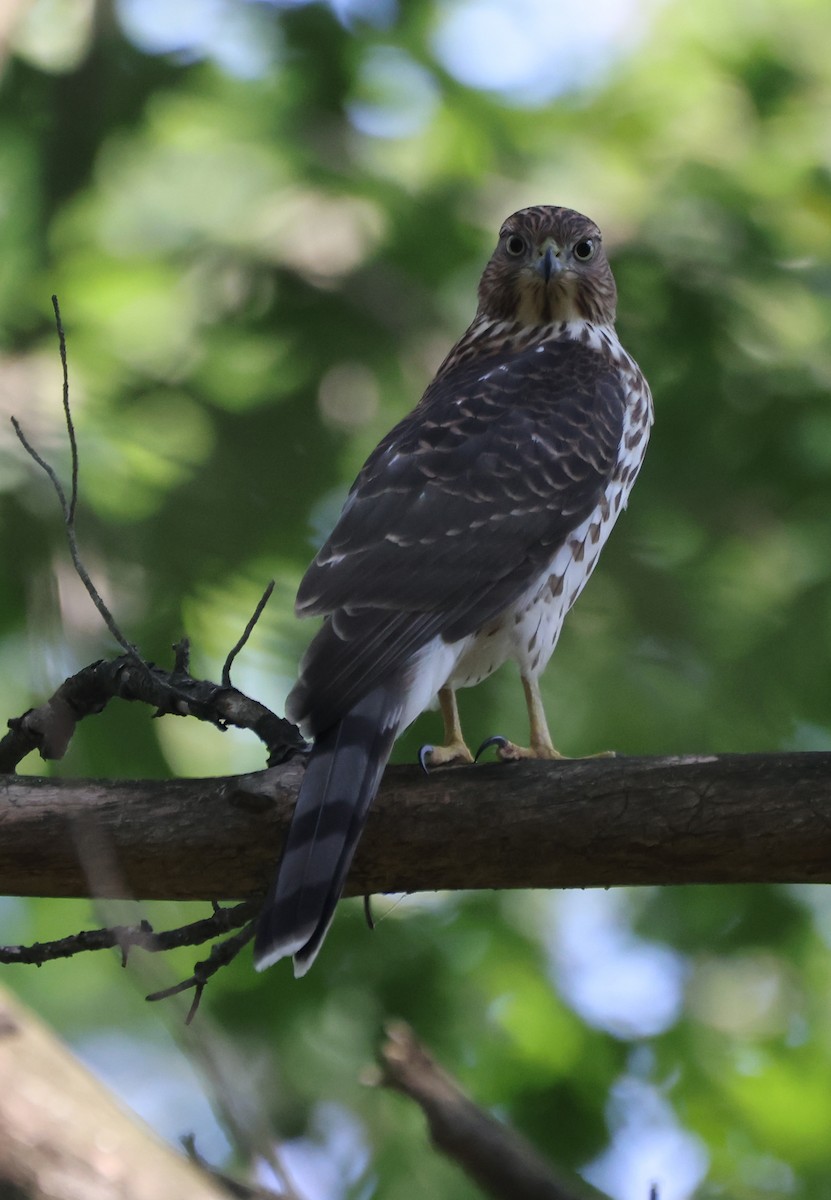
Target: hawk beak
549,261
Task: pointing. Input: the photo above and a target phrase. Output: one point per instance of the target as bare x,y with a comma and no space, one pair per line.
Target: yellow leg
541,744
454,749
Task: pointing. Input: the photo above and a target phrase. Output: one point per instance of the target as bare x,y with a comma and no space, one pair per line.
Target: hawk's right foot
453,754
454,751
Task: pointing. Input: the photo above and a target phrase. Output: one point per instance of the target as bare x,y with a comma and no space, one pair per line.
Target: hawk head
549,266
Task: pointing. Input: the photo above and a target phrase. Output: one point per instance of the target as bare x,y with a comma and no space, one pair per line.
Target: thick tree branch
589,823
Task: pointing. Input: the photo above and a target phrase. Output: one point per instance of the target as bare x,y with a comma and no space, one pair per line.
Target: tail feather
342,777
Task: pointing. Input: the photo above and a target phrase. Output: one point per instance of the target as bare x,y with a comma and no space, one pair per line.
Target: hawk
466,538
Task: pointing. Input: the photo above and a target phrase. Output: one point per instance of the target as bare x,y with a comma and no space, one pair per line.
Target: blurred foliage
265,223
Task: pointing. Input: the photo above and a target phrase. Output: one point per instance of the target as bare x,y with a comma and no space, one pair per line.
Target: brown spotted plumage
467,536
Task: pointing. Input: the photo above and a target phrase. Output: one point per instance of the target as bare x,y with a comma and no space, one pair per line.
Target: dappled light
265,223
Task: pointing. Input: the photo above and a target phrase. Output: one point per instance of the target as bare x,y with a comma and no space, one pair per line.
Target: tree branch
49,727
585,823
125,937
63,1134
494,1156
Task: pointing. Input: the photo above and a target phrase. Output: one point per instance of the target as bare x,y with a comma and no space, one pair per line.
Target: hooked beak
548,263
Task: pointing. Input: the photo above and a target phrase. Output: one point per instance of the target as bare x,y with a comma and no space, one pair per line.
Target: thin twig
70,424
43,464
235,1187
68,507
221,954
80,569
246,634
97,600
127,936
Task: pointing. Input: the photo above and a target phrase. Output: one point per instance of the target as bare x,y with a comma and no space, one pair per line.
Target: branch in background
125,937
221,954
82,1142
492,1154
143,936
68,507
49,727
234,1187
246,633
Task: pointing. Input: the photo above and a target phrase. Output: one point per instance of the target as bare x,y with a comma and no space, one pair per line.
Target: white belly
528,632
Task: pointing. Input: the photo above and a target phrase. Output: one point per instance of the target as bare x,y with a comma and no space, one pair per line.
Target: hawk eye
584,250
515,245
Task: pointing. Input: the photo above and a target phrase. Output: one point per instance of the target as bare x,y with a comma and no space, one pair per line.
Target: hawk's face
549,266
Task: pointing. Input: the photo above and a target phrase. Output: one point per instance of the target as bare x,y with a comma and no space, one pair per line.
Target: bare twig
124,936
127,936
44,465
496,1157
221,954
143,936
246,634
81,571
68,507
70,424
235,1187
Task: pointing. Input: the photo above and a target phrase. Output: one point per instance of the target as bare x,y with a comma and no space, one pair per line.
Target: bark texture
588,823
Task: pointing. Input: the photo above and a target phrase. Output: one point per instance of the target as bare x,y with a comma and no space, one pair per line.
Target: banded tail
341,779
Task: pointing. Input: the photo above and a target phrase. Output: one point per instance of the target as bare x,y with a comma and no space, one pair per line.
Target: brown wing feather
456,512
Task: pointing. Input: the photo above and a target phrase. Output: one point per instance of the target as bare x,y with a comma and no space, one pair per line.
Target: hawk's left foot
541,744
508,752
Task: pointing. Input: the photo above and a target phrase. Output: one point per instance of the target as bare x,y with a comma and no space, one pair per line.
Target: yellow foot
454,753
508,752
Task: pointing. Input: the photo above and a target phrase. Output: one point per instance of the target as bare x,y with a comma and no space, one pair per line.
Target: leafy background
265,223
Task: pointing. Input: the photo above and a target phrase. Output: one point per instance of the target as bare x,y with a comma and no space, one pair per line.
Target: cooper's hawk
466,538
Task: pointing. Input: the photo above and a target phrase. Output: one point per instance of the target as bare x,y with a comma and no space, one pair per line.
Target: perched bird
466,538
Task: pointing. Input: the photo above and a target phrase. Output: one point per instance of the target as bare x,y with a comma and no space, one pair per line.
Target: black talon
368,917
422,758
496,740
